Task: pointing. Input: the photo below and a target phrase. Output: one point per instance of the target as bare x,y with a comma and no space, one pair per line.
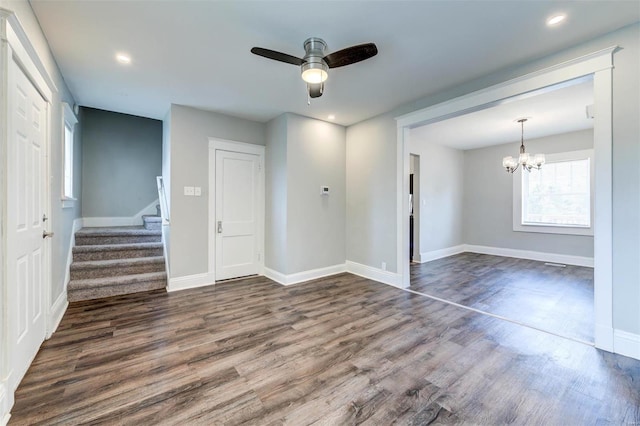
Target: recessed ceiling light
556,19
331,117
123,59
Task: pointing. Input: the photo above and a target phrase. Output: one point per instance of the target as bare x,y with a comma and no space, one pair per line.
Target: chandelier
525,160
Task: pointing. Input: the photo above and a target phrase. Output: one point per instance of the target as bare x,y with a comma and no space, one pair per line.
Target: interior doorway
599,66
236,209
414,213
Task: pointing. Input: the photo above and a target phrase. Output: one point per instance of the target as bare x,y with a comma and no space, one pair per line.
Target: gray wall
488,219
375,140
371,192
315,222
304,229
121,157
190,130
276,195
166,156
440,198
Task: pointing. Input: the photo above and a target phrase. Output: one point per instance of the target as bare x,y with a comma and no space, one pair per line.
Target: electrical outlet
384,266
188,191
197,191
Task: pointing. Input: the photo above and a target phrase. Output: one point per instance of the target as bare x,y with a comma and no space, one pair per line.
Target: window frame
518,200
69,121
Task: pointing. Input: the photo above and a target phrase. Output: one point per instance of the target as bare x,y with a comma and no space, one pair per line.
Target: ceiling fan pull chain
308,95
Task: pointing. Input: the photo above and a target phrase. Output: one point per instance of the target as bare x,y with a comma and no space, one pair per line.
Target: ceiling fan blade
276,56
351,55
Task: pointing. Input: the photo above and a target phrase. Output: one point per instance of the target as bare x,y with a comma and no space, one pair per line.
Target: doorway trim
600,65
15,46
217,144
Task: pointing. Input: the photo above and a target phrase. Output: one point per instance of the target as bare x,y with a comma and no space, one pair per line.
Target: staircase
117,260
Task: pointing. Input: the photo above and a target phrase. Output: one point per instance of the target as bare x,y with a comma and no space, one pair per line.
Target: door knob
46,234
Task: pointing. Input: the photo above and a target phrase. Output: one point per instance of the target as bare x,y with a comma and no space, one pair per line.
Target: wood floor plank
338,350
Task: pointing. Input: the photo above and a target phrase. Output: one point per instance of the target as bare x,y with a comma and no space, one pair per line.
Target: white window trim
518,226
69,119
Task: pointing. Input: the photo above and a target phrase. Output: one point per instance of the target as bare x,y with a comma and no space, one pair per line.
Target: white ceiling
196,53
551,112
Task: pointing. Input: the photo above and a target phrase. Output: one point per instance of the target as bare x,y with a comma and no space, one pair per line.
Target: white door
237,214
26,174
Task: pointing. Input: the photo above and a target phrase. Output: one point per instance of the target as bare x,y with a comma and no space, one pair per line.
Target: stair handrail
162,197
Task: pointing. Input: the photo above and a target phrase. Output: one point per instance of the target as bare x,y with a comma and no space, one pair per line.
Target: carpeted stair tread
97,288
113,263
151,218
116,251
119,280
117,231
128,246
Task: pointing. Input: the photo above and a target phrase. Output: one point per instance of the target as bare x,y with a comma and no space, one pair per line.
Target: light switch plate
197,191
188,191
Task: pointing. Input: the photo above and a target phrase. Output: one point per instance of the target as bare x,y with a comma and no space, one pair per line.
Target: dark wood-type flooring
339,350
558,300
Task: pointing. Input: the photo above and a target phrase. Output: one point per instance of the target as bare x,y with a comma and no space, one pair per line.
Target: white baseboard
77,225
299,277
385,277
134,220
58,309
440,253
531,255
627,344
5,405
191,281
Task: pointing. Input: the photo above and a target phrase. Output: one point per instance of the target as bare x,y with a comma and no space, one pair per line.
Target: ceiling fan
315,64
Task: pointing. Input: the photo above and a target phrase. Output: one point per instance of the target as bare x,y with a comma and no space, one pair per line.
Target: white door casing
26,201
599,64
236,224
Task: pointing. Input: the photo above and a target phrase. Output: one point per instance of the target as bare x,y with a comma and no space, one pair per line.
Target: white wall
488,219
189,144
440,198
371,162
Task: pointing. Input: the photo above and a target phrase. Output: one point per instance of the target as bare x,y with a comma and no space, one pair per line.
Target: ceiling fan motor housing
314,69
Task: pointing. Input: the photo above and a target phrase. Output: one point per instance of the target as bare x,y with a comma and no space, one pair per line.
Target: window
557,198
69,122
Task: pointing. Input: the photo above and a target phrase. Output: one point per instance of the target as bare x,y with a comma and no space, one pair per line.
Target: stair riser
111,271
116,254
85,240
117,290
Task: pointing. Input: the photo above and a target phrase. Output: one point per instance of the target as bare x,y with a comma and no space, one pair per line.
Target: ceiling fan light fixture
315,71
